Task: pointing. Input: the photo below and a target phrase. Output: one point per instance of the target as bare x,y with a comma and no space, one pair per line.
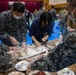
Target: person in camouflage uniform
4,57
63,14
13,26
65,53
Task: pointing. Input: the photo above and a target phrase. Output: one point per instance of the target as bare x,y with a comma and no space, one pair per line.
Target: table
51,43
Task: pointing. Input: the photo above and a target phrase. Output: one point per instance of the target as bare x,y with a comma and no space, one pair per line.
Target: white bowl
65,71
22,65
16,73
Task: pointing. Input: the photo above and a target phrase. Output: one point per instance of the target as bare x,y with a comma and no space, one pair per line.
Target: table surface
51,43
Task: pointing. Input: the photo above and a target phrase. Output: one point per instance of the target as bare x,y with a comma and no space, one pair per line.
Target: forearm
23,43
34,39
14,41
24,46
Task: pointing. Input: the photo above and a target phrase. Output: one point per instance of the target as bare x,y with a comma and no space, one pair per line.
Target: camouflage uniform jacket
62,56
10,26
4,57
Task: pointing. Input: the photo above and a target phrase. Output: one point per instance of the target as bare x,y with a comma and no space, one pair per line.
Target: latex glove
24,46
14,41
15,49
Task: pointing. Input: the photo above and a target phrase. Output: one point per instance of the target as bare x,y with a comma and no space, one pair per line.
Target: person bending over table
62,56
13,26
6,58
65,53
41,28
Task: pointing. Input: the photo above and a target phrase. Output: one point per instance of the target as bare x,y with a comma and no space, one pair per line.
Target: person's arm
14,41
35,41
3,33
23,31
32,32
48,33
69,26
44,39
6,48
24,46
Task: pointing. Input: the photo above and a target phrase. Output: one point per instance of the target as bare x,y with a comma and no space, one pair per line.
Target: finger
42,39
15,48
25,51
17,43
37,45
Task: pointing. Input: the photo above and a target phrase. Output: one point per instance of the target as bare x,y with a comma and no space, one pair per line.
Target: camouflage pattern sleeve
4,57
23,29
3,33
4,47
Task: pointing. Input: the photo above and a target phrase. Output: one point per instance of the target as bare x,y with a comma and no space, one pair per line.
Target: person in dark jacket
12,26
41,28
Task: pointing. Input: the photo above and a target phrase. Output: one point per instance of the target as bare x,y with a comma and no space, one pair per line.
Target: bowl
16,73
22,65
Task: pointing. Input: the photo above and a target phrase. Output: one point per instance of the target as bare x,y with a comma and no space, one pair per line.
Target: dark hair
72,2
9,7
19,7
46,16
53,6
40,6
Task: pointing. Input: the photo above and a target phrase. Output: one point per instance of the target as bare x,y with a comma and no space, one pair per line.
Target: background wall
59,5
3,5
54,2
31,5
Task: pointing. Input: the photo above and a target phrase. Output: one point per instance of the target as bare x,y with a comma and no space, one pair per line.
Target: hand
71,30
14,41
24,46
15,49
44,39
37,44
28,69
